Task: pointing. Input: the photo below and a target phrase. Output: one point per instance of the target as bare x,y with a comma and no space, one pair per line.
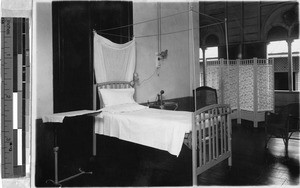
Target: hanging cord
153,35
206,15
226,39
159,20
208,25
137,23
145,80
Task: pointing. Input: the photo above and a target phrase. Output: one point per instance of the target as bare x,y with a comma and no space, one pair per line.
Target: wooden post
194,149
290,65
204,66
94,105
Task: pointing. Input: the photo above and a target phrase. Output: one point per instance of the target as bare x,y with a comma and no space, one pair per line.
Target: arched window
279,51
277,33
211,53
212,40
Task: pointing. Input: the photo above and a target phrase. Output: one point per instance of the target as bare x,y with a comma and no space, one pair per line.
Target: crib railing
211,138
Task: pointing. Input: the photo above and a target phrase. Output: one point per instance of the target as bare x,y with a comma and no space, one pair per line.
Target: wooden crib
211,138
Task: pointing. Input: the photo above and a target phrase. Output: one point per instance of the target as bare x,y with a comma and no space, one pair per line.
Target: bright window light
200,53
295,46
277,48
212,52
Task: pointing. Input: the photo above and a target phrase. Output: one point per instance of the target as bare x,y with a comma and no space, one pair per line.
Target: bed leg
94,145
230,161
239,120
94,140
255,124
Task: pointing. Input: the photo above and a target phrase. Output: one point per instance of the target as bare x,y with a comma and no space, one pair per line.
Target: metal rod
226,40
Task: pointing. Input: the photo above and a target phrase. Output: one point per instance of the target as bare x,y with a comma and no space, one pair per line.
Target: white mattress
160,129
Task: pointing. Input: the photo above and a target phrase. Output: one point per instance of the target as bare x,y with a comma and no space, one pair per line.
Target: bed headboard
114,85
109,85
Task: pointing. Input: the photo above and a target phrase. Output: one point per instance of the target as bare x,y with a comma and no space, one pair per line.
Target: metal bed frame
210,138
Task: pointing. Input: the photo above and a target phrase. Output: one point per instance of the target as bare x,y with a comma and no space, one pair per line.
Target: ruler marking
15,39
7,69
19,147
15,110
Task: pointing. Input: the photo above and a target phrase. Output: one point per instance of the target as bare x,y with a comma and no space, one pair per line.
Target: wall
42,82
285,97
42,78
175,76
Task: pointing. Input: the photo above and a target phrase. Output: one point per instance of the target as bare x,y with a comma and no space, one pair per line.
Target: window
211,53
278,50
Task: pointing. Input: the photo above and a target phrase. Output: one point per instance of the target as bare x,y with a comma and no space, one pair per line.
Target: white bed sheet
160,129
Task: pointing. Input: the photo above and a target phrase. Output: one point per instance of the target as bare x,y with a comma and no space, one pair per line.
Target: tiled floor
126,164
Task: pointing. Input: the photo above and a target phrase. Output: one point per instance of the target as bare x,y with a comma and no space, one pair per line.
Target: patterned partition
247,85
213,76
265,85
231,84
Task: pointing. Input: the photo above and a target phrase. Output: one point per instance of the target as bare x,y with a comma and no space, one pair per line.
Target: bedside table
168,105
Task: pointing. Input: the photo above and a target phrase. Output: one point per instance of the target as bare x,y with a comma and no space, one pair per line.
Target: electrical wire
137,23
150,20
148,77
152,35
206,15
211,25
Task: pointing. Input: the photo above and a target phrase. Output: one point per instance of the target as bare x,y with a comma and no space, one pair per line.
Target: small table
167,105
56,120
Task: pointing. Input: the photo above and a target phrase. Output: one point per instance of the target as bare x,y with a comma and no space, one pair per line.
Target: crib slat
229,136
200,142
225,131
217,138
222,136
200,125
211,122
213,139
204,142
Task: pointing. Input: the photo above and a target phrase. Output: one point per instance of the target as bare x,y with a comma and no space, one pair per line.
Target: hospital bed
207,131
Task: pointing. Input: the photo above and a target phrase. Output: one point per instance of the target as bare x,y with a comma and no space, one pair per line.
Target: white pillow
116,96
